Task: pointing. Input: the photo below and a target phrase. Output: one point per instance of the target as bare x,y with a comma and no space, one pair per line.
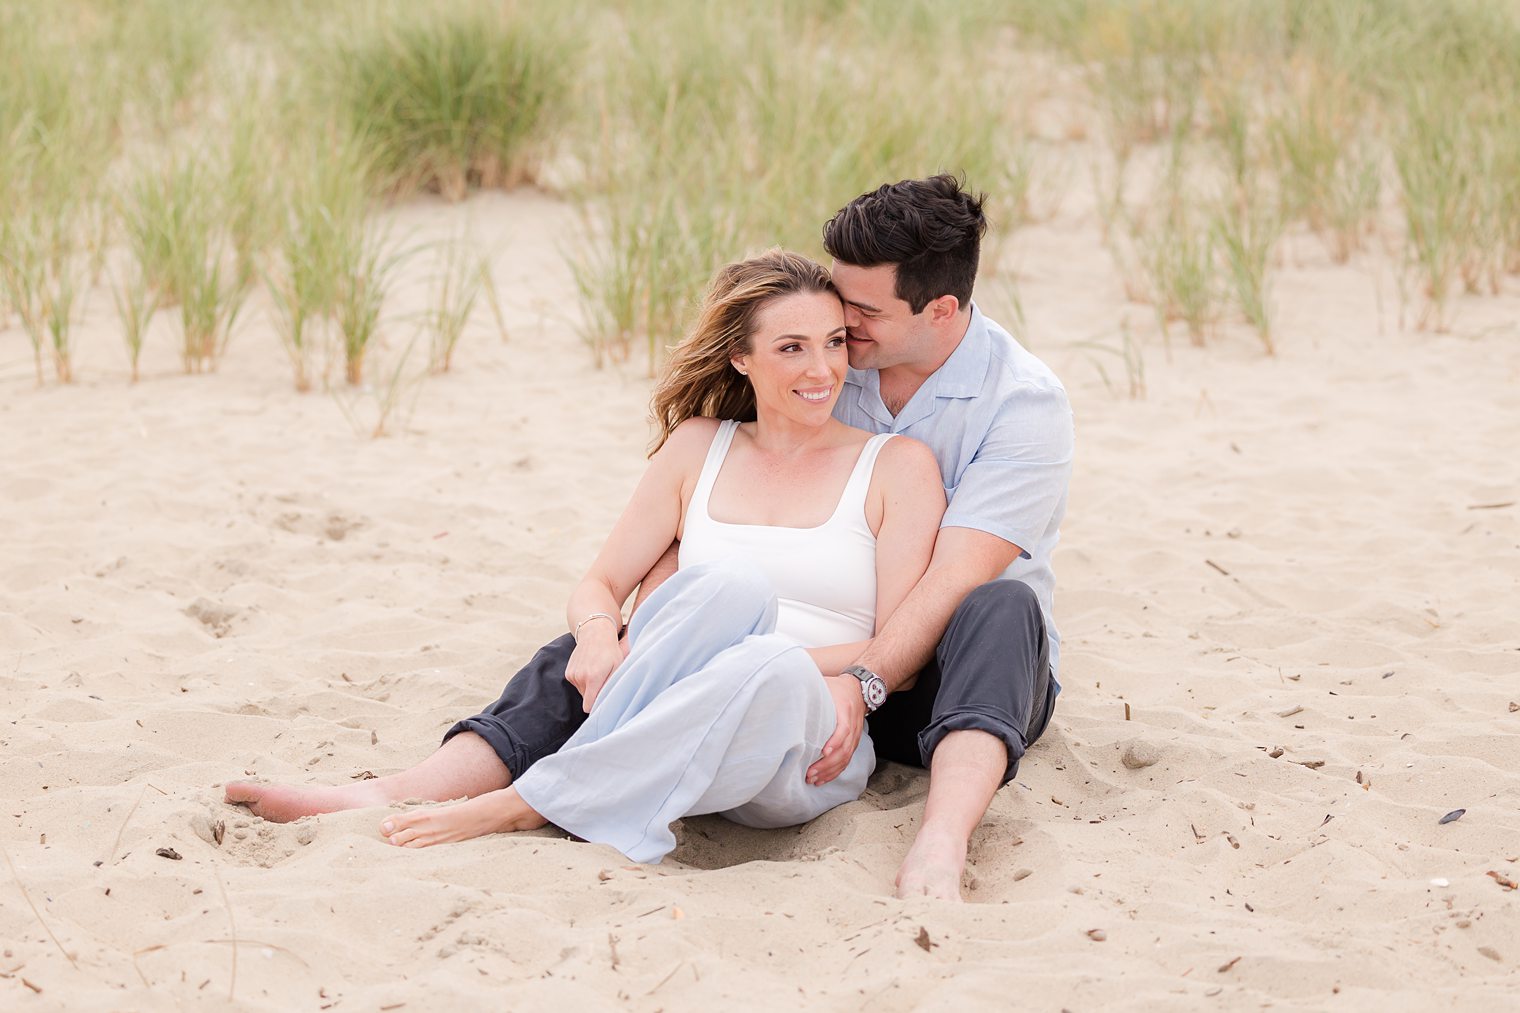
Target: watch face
876,692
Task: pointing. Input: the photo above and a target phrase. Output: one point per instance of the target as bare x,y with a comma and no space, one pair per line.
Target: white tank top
825,576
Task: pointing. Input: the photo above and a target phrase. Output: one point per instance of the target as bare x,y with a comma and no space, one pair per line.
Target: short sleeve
1018,477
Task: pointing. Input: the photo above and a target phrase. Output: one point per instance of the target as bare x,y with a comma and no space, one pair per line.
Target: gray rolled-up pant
990,673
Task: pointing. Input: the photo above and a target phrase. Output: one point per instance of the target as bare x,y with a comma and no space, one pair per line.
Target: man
970,657
965,700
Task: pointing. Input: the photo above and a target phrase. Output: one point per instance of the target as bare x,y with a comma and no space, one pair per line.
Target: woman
799,536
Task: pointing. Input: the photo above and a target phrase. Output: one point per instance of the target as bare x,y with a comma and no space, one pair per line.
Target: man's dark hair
930,229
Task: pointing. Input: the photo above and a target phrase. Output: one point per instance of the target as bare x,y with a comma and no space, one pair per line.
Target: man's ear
943,309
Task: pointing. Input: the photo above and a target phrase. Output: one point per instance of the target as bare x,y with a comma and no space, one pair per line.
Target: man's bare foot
281,803
495,812
933,867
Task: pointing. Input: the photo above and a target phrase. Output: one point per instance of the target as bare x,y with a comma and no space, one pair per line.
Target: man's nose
851,317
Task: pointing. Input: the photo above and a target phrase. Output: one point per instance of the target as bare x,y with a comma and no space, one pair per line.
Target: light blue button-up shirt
1000,427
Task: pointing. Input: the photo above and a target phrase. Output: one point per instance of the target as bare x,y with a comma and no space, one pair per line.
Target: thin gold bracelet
595,615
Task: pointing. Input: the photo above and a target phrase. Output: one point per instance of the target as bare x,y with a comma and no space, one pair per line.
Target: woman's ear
740,363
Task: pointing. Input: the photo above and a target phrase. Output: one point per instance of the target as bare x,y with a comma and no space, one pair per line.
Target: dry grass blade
40,920
232,927
267,945
123,829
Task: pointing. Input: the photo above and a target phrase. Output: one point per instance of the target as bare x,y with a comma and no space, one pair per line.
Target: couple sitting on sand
807,601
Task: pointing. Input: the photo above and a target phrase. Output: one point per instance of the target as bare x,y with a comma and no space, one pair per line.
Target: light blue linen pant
712,712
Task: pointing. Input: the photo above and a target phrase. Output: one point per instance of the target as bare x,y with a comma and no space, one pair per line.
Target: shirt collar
869,382
965,372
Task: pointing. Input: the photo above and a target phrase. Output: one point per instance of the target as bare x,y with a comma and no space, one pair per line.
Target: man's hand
850,711
590,666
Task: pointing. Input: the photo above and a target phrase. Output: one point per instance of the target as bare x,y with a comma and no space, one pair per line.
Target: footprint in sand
333,526
215,617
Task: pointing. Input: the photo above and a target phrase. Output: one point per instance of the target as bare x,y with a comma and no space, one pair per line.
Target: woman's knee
774,665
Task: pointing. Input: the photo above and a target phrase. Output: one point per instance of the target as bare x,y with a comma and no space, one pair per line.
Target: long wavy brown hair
699,378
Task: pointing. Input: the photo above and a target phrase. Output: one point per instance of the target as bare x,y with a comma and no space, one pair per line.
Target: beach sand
1292,580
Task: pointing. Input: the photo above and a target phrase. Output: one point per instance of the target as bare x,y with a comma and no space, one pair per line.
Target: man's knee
994,624
999,599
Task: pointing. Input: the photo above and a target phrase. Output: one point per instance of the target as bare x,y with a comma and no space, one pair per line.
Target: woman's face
798,357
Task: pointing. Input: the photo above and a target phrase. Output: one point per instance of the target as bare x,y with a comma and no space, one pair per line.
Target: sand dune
1292,581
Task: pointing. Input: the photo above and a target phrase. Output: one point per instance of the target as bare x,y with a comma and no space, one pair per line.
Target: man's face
883,329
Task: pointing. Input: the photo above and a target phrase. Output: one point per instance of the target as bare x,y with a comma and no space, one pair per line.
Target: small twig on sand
232,927
28,898
1264,599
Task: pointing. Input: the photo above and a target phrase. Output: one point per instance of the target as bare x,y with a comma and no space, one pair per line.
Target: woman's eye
836,342
790,348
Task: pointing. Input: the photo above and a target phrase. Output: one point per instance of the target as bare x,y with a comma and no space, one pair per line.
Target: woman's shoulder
697,427
907,477
691,439
903,457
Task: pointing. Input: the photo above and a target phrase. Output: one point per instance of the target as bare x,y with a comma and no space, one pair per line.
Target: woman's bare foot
494,812
281,803
933,868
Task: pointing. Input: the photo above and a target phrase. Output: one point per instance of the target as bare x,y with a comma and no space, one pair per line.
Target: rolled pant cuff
974,721
499,737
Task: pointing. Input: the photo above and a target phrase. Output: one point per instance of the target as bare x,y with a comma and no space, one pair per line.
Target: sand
1290,583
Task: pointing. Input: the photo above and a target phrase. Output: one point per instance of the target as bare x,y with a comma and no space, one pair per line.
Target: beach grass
1436,179
136,304
320,214
56,141
724,131
38,275
1246,226
462,279
1176,250
179,237
449,95
689,134
366,267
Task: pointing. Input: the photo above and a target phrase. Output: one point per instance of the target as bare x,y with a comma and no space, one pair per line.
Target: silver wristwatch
872,687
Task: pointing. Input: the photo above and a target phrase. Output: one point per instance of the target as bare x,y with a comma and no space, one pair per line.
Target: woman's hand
850,711
591,665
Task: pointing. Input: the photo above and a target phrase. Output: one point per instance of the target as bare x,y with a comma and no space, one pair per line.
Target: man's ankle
944,836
